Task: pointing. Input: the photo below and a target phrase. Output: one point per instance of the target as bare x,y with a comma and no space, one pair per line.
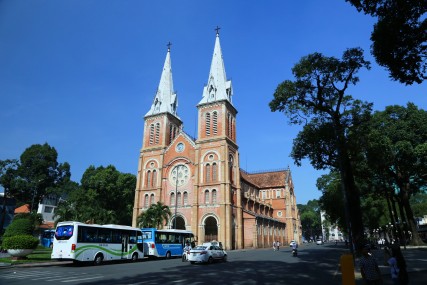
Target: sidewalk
416,260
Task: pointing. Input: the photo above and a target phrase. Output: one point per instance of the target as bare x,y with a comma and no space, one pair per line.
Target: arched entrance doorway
180,223
211,229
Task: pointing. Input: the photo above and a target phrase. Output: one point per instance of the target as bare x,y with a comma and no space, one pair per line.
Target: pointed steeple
165,100
218,87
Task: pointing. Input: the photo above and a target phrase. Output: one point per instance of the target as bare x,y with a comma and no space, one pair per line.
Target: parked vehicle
165,243
96,243
319,241
207,253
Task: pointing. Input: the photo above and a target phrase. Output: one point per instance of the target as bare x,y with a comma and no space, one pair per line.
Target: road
314,265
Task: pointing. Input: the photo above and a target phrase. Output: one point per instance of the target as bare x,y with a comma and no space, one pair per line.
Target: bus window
64,232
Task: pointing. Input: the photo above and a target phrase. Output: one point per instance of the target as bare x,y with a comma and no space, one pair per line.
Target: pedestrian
397,264
277,245
369,269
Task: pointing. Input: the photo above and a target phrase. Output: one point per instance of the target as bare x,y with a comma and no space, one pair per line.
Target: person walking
274,246
397,264
369,269
277,245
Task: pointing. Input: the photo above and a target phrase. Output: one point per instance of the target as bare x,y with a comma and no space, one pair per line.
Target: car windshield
200,247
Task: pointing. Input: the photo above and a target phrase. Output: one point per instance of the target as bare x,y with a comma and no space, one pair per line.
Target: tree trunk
416,239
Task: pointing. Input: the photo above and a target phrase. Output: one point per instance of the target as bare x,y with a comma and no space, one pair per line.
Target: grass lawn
41,254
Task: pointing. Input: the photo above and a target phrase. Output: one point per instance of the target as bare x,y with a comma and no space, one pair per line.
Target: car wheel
168,255
184,258
224,258
98,259
210,260
192,262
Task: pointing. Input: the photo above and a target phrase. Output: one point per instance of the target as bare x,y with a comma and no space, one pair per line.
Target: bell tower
161,126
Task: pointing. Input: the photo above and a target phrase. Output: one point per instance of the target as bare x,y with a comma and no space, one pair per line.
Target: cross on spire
217,30
169,46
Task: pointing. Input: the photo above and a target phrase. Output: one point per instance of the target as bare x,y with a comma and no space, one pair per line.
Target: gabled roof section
186,136
165,100
274,179
218,87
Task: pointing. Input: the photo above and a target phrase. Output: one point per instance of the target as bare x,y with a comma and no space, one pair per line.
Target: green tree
154,216
38,171
419,204
8,170
399,37
397,150
318,98
310,219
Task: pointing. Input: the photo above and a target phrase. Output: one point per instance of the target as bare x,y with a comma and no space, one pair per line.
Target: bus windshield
64,232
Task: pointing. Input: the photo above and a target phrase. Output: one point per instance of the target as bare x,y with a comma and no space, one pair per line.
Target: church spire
166,100
218,87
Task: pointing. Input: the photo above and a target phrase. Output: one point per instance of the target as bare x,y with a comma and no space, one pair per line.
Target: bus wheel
98,259
168,255
135,257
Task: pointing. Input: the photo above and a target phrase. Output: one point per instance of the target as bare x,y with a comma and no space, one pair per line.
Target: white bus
96,243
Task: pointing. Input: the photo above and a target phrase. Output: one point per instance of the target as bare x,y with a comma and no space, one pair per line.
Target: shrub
20,227
20,242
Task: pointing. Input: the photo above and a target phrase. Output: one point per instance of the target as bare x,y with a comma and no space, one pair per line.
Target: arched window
208,124
154,180
146,201
151,134
208,173
185,198
214,172
215,122
157,133
214,196
148,178
230,169
229,125
179,201
152,199
172,203
207,197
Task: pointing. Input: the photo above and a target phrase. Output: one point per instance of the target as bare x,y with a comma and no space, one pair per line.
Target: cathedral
201,180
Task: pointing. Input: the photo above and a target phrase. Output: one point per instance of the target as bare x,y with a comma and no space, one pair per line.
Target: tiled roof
23,209
272,179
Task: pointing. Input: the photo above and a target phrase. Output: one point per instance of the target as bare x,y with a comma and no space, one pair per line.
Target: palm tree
154,216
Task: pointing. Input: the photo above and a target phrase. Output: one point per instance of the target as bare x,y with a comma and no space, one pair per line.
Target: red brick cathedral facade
201,180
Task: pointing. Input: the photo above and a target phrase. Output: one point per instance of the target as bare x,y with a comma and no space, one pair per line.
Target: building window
154,179
213,196
152,199
208,173
230,169
179,202
151,134
172,203
278,193
208,124
48,209
279,213
207,197
214,172
215,122
185,198
157,133
264,194
146,201
148,178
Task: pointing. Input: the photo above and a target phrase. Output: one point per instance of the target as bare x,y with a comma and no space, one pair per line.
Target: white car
292,243
207,253
319,241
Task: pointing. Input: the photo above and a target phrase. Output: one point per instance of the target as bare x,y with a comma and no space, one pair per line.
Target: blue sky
80,75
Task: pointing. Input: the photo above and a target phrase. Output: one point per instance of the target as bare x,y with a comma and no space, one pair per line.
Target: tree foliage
155,216
399,37
104,197
310,219
317,97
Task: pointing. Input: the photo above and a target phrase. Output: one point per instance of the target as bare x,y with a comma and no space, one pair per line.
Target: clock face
179,175
179,147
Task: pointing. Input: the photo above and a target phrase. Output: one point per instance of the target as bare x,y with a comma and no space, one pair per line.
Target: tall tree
37,171
8,170
310,219
318,98
399,37
397,148
155,216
